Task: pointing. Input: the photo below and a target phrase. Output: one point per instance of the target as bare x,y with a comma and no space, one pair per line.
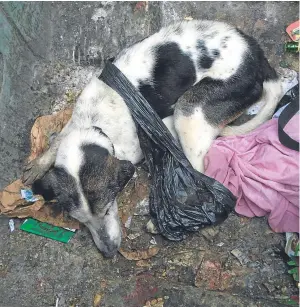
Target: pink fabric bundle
261,172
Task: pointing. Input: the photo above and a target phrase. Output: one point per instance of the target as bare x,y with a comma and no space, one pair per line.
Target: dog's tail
271,95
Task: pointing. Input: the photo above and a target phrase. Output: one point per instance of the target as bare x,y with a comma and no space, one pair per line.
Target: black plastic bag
181,199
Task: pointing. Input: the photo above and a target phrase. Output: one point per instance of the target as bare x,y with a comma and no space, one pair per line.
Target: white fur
195,135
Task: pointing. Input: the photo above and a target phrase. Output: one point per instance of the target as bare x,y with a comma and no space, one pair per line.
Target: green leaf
296,276
292,262
293,271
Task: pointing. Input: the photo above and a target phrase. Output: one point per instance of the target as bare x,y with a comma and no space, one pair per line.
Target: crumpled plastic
181,199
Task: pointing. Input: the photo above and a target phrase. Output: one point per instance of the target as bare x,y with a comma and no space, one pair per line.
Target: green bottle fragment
292,47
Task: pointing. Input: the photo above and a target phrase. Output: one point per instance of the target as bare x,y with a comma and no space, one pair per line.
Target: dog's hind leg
37,168
195,133
272,94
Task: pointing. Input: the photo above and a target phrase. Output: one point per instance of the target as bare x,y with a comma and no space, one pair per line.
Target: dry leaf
97,300
141,254
143,263
44,127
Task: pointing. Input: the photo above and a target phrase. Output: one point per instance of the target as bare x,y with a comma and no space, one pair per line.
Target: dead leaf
143,263
141,254
188,18
44,127
97,300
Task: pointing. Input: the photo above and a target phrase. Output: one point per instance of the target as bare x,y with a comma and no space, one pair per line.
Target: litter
128,222
242,258
48,231
142,207
293,30
292,239
141,254
11,224
133,236
220,244
153,241
28,195
181,199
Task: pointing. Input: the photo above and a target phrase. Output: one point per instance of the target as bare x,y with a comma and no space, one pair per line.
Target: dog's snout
109,251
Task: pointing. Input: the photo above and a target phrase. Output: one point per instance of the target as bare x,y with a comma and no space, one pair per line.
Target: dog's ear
45,186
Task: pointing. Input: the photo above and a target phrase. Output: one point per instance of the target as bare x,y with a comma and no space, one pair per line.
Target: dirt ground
200,271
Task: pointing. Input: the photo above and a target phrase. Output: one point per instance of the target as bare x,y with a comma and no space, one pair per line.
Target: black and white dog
222,71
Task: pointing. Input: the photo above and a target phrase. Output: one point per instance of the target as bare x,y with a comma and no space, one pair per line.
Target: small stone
269,287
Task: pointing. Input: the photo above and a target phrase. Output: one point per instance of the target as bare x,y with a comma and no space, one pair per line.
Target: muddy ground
200,271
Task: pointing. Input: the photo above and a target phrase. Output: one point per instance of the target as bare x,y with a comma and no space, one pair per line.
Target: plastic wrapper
181,199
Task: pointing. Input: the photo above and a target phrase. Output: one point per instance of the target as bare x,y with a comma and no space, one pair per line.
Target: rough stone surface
48,52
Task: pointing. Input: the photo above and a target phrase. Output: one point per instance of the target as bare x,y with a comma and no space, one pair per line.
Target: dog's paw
32,171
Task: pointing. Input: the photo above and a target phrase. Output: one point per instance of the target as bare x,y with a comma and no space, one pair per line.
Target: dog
221,71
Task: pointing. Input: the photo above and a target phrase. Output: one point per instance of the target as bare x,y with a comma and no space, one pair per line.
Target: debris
293,30
56,303
13,205
187,258
153,241
209,233
142,207
140,255
27,194
269,287
188,18
46,230
140,5
133,236
292,240
151,228
11,224
143,263
220,244
97,300
292,47
128,222
243,259
159,302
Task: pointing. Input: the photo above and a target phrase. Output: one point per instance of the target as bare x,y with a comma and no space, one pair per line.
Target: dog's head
86,184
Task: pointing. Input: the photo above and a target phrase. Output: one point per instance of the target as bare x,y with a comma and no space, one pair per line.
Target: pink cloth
261,172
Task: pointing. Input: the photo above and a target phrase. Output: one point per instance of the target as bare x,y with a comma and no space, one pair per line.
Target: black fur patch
221,100
173,74
58,184
102,176
204,59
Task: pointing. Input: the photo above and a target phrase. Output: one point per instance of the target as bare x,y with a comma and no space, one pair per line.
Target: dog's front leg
195,133
37,168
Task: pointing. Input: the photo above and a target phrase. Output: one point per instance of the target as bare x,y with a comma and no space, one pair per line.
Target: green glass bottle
291,47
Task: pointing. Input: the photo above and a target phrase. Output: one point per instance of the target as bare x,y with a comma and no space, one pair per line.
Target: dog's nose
109,252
